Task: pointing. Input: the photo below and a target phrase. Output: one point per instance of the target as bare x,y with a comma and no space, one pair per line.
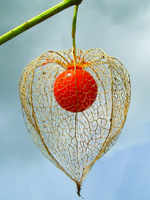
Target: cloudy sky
122,30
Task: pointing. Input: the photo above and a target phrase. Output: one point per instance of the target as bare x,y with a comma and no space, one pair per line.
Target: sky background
122,30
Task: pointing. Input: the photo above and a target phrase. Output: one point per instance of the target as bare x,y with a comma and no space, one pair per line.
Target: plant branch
38,19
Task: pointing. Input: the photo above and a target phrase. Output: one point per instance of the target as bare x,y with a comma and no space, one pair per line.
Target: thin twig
38,19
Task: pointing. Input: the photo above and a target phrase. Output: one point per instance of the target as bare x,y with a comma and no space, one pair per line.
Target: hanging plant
74,102
75,113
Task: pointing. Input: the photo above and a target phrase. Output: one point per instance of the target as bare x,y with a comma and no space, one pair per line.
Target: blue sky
122,30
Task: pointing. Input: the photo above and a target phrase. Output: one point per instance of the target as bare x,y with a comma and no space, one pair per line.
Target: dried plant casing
73,142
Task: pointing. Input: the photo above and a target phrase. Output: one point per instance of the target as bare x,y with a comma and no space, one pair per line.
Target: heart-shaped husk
73,142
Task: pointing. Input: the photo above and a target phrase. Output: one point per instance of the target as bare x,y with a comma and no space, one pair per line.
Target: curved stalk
38,19
74,31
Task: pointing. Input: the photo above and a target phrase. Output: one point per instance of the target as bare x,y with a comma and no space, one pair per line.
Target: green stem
39,18
74,31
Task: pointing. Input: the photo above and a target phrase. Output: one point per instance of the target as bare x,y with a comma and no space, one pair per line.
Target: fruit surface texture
75,90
